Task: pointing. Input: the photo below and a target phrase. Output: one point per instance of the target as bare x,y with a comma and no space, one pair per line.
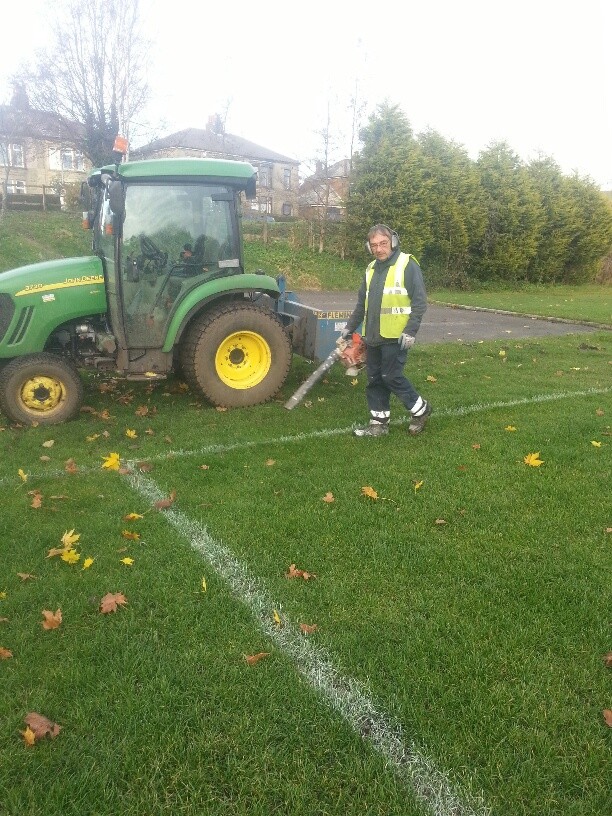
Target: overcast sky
534,73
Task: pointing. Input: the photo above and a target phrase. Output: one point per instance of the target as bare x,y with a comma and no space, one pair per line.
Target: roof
211,142
21,123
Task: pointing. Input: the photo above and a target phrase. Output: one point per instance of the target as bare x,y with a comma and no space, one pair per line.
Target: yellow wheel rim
242,360
42,393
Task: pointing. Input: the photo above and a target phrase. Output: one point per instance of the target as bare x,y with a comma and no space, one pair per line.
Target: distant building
323,195
37,150
277,183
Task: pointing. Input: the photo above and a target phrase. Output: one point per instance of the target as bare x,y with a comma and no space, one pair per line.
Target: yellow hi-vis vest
395,305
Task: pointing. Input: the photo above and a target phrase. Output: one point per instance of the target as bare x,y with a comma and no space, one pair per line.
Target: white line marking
462,410
349,697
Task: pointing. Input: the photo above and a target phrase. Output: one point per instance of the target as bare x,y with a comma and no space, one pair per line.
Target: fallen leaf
418,485
440,521
92,438
431,378
112,461
69,538
221,408
51,620
131,536
204,584
369,492
328,497
112,601
26,576
41,726
204,467
70,556
5,653
308,628
28,737
509,428
476,446
533,459
600,412
22,475
141,411
87,563
607,715
70,466
49,443
276,617
270,462
132,516
163,504
130,433
294,572
45,458
36,502
595,444
144,467
608,660
127,561
255,658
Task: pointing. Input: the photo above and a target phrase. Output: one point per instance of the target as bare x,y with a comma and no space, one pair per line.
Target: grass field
461,602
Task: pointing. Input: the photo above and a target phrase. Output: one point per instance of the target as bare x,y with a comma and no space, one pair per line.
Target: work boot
417,424
372,429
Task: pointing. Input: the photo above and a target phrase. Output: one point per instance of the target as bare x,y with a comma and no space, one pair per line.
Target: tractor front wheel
236,355
41,388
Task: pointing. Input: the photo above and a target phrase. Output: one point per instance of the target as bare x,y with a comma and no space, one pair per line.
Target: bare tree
94,72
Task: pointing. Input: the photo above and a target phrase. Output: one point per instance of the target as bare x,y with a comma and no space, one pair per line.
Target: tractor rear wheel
41,388
236,355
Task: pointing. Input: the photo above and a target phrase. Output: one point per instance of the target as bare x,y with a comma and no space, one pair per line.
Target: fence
47,199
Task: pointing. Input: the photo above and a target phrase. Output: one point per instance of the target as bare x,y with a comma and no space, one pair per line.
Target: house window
265,205
11,155
287,178
287,209
16,187
265,175
65,159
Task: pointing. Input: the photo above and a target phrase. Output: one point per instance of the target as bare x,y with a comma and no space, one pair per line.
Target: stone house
277,182
38,157
323,195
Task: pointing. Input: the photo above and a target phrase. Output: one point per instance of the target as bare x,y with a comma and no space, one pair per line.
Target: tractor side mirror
116,198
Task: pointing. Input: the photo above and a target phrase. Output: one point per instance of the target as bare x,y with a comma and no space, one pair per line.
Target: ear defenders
392,233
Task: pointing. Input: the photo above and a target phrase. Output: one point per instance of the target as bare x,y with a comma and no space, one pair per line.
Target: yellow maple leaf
277,618
502,353
131,434
3,595
127,561
369,492
509,428
112,461
92,438
130,535
70,556
22,475
595,444
69,538
87,563
132,516
431,378
533,459
418,485
28,736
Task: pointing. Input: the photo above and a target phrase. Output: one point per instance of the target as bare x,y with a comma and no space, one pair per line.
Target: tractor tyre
236,355
41,388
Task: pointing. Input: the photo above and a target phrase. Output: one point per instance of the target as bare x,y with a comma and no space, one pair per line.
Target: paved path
442,324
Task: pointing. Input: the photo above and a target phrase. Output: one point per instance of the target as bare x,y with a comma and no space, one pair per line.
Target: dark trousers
385,370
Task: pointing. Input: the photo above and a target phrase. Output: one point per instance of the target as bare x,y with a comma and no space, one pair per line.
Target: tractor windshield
174,238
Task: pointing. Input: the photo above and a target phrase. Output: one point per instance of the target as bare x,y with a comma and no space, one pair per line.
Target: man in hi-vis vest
391,303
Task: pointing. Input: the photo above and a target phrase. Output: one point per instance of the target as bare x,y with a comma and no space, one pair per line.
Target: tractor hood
36,299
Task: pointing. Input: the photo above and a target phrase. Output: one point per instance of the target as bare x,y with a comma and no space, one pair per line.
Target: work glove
406,341
345,337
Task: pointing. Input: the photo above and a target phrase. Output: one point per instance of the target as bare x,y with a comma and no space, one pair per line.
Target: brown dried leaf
607,715
41,726
70,466
255,658
36,502
112,601
608,660
369,492
144,467
26,576
329,498
49,443
5,653
440,521
308,628
51,620
163,504
294,572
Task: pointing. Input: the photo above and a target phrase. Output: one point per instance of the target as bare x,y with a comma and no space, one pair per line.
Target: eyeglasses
380,244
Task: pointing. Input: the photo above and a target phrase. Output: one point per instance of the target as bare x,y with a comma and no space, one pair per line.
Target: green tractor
164,288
